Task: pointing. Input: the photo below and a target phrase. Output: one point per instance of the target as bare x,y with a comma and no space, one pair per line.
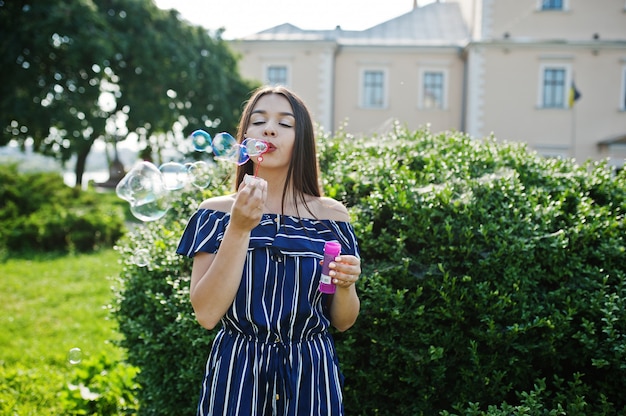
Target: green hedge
155,316
40,213
493,283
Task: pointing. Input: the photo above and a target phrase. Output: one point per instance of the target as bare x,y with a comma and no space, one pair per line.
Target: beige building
505,67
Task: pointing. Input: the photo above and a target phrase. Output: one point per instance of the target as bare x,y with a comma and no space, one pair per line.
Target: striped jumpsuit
274,354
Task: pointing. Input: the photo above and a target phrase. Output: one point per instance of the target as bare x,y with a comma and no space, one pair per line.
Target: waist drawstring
281,371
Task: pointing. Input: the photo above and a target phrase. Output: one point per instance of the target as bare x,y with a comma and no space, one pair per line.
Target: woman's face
272,120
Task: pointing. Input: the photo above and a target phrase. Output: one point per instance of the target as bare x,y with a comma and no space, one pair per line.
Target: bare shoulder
219,203
330,209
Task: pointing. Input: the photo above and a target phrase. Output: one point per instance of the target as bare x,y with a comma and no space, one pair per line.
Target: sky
245,17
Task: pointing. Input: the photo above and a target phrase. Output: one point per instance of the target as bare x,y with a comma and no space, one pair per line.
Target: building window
623,94
554,88
373,89
276,75
433,90
561,5
551,4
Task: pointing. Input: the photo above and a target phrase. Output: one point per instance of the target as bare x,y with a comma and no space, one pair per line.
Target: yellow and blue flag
574,95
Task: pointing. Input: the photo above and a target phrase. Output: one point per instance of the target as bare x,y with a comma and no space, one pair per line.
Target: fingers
252,193
345,270
249,204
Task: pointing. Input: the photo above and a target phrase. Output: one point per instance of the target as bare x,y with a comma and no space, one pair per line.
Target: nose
269,130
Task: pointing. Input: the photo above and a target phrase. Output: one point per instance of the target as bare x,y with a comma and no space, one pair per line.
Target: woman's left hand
345,270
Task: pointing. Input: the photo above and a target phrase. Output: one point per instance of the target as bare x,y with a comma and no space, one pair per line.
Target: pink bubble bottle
331,250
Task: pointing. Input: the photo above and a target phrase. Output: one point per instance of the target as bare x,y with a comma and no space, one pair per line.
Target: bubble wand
258,165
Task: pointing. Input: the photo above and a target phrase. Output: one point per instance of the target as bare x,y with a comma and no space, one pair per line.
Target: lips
270,147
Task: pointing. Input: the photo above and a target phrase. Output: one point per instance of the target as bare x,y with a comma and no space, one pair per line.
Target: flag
574,95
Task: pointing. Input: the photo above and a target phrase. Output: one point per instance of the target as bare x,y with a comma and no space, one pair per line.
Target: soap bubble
148,188
200,174
143,187
141,257
225,147
151,208
139,182
75,356
251,147
175,175
254,147
201,141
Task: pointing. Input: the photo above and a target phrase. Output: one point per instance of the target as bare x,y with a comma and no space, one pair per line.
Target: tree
71,69
171,72
52,54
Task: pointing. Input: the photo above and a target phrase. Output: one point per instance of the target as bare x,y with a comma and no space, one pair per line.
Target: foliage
76,72
488,269
493,283
152,306
160,332
40,213
101,386
51,304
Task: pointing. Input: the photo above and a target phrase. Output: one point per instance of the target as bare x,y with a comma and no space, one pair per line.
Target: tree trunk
79,170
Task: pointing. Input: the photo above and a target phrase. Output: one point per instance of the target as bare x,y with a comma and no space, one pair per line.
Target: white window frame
566,87
622,97
421,102
385,88
268,66
563,9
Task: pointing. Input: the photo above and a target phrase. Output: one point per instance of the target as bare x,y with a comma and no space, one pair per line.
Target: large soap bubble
152,208
200,174
143,187
225,147
175,175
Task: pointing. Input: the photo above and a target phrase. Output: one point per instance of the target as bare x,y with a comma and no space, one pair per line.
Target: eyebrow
286,113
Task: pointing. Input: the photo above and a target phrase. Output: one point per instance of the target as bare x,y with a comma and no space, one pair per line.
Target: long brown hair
302,174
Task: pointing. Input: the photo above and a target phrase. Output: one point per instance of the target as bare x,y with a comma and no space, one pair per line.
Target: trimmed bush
155,316
493,283
40,213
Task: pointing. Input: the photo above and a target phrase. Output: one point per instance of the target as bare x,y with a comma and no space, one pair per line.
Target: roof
436,24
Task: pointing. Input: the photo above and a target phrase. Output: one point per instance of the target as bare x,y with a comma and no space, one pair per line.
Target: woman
256,269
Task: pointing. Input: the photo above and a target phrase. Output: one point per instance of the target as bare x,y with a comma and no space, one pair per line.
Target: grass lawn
49,305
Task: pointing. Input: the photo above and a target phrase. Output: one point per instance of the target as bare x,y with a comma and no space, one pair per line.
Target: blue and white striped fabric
273,354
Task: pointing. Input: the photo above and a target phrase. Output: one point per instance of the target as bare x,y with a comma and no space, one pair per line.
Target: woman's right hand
249,204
